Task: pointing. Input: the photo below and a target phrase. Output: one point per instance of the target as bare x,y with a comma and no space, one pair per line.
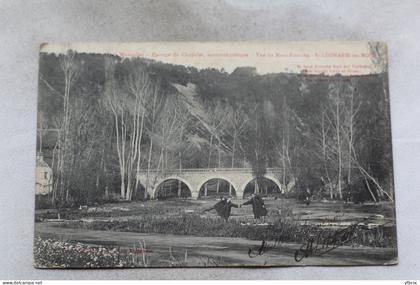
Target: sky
347,58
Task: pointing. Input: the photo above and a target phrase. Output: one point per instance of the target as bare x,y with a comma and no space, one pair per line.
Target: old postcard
214,155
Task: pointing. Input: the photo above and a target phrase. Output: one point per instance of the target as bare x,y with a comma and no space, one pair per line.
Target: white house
43,177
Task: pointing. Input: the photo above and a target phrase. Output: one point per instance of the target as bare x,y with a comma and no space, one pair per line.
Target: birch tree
153,111
335,90
127,105
70,71
330,134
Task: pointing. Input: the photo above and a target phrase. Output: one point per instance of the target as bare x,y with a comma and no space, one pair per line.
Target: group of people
225,205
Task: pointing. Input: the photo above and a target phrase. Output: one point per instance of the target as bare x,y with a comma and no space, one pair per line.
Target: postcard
204,154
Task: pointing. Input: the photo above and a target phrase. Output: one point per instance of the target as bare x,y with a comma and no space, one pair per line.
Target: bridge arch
267,177
160,182
202,183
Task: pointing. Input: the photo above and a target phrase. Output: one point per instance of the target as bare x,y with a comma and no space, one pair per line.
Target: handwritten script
317,245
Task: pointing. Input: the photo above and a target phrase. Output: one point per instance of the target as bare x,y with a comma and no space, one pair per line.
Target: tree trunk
283,160
211,142
138,149
180,151
350,140
233,148
324,155
219,157
338,146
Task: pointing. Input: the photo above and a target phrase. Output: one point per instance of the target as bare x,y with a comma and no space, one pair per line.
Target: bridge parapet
206,170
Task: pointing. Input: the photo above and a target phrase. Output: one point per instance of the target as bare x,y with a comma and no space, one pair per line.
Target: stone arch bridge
196,178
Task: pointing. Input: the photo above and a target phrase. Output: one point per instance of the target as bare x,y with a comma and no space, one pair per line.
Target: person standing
258,206
223,208
228,208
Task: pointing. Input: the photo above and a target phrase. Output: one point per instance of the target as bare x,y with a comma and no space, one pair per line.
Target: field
177,233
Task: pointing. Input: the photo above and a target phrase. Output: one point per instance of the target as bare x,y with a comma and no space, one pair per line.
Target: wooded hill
102,118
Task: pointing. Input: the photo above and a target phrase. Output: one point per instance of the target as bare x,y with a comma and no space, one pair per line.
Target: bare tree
184,119
153,110
128,108
337,137
336,90
140,88
168,130
41,129
289,130
70,72
379,57
217,122
116,105
237,121
332,133
324,132
217,118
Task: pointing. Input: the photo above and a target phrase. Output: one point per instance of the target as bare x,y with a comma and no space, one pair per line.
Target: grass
287,220
278,229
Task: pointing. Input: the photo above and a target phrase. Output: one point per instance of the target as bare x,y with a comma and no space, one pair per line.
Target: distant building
43,177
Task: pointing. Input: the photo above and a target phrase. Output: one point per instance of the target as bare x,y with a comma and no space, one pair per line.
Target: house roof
40,162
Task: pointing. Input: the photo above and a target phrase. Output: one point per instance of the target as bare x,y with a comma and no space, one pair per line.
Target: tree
217,119
237,121
70,71
217,123
167,132
127,104
258,147
153,109
336,137
183,120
